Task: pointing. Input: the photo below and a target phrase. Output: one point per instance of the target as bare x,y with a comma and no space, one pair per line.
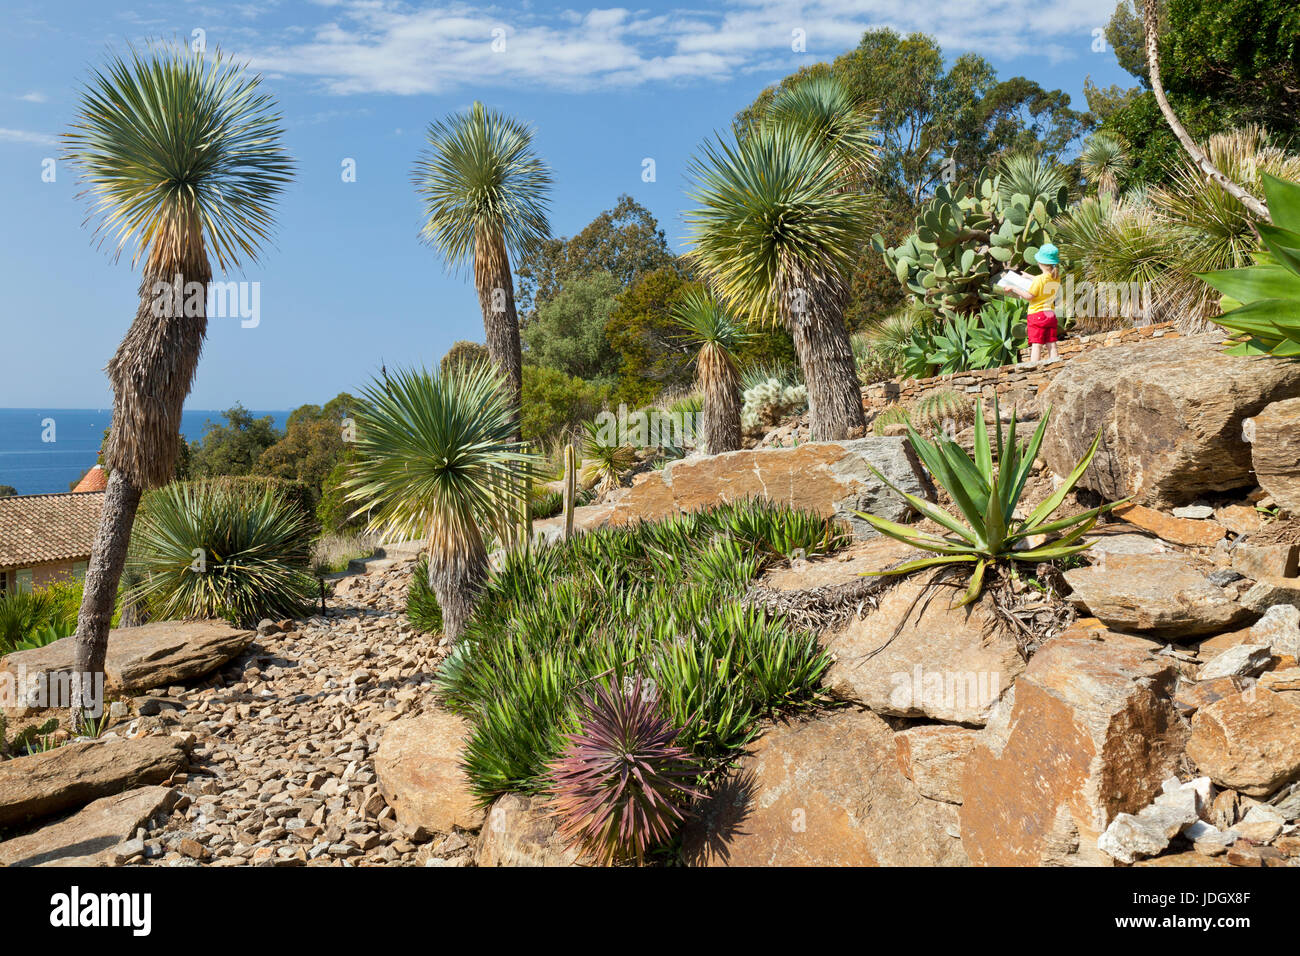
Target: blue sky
346,284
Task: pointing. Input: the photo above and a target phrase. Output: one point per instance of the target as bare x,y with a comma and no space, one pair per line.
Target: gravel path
282,769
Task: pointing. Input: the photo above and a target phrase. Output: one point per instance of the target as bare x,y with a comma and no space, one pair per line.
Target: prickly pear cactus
965,237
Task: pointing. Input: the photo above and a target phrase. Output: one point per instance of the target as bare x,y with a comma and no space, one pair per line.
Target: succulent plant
1000,334
767,402
893,415
969,233
942,410
621,786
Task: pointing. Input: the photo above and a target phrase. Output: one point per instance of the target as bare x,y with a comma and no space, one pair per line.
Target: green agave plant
1000,334
952,346
1266,295
987,497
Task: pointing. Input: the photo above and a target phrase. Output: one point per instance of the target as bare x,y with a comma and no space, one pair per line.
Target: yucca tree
777,231
716,336
181,157
821,107
485,198
1029,175
437,461
1104,162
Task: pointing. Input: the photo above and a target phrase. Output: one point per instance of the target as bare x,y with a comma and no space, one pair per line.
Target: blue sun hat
1048,255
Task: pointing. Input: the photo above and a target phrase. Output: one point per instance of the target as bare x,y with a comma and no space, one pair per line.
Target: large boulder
1087,733
521,831
419,773
89,836
1170,412
44,784
1249,741
1165,594
916,656
833,479
139,658
1274,435
825,792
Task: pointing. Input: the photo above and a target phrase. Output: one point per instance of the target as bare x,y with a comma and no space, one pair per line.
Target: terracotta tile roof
35,529
94,480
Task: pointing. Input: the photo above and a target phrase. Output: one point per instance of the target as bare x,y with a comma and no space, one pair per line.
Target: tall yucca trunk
151,374
814,314
721,407
496,297
457,577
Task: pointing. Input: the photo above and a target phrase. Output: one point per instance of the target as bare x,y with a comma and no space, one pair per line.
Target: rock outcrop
92,836
916,656
1249,741
139,658
1089,732
824,792
519,831
1274,435
1170,413
1167,594
44,784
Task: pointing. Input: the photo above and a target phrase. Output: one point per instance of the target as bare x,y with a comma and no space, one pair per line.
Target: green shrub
546,504
221,548
422,608
38,617
656,601
986,489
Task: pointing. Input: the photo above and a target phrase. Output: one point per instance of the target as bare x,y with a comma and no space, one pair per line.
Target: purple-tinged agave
621,785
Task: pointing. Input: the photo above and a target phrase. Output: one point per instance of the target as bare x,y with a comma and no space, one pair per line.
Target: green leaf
1255,282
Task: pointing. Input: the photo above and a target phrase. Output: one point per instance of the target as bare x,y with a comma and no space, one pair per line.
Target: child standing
1042,325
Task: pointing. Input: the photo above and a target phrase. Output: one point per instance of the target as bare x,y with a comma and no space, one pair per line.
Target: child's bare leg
1052,354
1035,352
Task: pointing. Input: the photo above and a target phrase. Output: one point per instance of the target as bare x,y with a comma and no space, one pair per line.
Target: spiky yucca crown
621,785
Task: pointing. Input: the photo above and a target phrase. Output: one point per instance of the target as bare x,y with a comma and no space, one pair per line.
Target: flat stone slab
45,784
1165,594
87,837
833,479
139,658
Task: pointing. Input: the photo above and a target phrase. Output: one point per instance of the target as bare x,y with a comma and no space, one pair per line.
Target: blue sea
42,450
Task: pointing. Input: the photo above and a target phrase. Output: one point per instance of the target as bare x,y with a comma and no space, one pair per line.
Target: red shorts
1042,328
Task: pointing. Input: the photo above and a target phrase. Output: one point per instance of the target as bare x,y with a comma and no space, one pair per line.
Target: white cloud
35,96
26,136
388,46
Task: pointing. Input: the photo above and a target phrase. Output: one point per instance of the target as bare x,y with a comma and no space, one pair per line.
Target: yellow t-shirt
1042,293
